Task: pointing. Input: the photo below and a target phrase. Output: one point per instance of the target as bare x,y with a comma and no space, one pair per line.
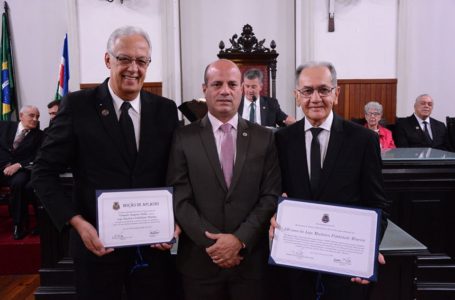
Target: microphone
254,98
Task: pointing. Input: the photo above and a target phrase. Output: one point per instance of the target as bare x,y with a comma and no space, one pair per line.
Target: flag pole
14,100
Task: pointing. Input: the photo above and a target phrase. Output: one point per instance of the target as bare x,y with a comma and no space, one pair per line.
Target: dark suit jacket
351,171
86,135
25,152
408,133
202,202
271,113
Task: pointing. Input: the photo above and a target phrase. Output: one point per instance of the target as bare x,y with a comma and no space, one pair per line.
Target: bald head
222,89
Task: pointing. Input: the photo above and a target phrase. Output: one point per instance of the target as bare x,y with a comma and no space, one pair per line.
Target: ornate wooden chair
248,52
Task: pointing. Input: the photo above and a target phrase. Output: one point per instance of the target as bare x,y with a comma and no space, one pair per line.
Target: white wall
98,18
364,43
372,39
204,23
426,58
37,31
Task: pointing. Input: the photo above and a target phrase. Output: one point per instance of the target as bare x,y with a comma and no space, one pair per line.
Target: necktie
315,160
227,153
253,112
126,124
19,138
426,132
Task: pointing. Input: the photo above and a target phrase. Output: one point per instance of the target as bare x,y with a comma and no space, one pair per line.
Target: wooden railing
355,93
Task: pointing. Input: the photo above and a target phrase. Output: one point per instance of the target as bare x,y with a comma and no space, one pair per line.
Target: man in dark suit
19,143
115,136
349,171
420,130
226,181
266,111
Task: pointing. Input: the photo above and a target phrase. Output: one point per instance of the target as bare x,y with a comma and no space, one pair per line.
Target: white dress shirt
216,124
324,137
422,126
247,109
134,111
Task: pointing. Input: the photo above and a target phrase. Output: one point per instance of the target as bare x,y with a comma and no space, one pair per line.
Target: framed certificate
327,238
135,217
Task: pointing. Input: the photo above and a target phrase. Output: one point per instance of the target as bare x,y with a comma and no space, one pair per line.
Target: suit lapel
263,110
333,149
208,141
108,118
240,110
418,130
28,139
12,134
300,161
147,127
243,142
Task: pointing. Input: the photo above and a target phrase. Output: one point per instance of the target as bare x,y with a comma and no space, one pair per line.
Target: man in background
116,137
420,130
259,109
19,143
52,109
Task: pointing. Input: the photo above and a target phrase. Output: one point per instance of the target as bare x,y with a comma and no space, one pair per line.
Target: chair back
248,52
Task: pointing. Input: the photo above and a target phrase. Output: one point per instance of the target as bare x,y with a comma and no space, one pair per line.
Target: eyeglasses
373,114
323,91
124,60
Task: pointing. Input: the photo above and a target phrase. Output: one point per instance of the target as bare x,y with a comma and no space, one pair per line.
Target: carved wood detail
248,52
355,93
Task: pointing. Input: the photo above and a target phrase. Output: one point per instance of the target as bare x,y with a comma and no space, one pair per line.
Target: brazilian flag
8,93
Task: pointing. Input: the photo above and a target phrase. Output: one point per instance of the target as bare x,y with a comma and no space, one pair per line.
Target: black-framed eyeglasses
323,91
373,114
124,60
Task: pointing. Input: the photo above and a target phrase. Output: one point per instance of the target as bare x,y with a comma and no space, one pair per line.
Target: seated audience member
373,114
19,143
419,130
266,111
52,109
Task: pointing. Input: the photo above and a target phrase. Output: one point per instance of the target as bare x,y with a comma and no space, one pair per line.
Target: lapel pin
105,112
245,134
263,107
417,127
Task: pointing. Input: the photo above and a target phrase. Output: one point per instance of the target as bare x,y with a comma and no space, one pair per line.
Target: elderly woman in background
373,114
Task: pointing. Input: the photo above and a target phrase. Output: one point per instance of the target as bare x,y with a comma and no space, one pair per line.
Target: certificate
326,238
135,217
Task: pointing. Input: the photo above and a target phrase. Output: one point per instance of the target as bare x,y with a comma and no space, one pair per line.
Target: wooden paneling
355,93
151,87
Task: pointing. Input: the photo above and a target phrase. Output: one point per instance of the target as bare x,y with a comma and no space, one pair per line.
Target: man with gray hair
324,158
19,143
115,136
420,130
259,109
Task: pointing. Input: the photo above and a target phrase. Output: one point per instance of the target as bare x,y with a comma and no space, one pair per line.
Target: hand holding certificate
135,217
327,238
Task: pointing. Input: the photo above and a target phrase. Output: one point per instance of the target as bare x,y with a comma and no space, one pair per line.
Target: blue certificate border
100,192
378,211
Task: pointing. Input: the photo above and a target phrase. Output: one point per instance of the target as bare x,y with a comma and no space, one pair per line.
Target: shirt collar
246,100
20,127
135,103
421,120
326,125
217,123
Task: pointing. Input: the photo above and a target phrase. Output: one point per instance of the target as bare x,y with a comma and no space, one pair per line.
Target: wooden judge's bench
420,183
